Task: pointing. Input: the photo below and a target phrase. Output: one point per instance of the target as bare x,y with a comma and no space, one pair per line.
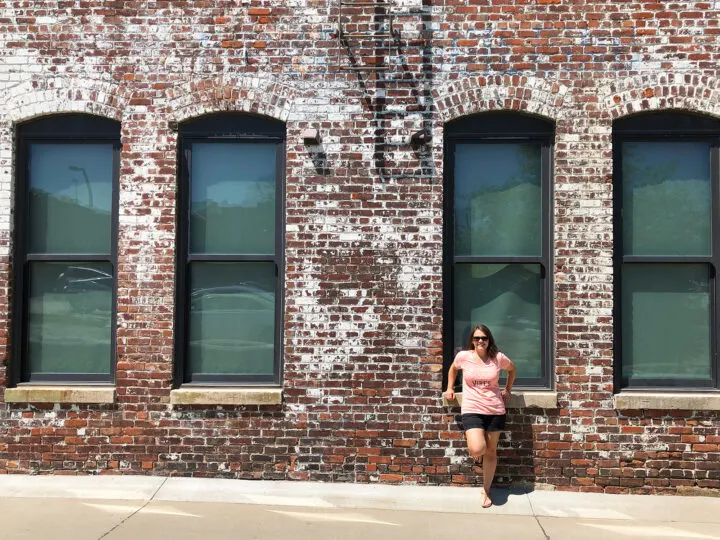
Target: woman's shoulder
502,359
462,356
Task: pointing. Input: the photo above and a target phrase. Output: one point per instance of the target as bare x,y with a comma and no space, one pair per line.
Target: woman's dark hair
492,347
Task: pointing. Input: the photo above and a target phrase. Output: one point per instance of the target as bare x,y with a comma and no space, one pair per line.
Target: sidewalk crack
152,497
159,488
537,520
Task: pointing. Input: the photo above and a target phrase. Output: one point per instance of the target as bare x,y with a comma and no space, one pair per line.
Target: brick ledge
520,399
60,394
668,400
226,396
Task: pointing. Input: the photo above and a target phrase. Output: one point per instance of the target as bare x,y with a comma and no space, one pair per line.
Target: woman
483,404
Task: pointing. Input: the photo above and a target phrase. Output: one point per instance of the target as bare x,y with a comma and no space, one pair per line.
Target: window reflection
70,306
233,198
507,298
666,198
498,201
70,198
666,308
232,318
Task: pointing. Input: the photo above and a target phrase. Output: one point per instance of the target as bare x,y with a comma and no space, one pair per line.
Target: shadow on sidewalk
501,495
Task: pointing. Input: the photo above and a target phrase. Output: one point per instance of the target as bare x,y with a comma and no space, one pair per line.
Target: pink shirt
481,392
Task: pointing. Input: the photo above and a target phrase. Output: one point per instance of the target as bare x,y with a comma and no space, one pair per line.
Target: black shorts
488,422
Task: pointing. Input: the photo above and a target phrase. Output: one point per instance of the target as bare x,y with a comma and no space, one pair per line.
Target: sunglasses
483,338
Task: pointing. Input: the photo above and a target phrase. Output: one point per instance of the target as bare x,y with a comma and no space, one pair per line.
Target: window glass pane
70,317
666,321
666,198
232,318
70,198
233,198
498,201
506,298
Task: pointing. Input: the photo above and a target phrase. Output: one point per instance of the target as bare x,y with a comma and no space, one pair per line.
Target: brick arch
252,94
659,91
64,95
503,92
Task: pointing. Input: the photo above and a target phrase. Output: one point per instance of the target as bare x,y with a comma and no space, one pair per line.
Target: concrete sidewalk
120,507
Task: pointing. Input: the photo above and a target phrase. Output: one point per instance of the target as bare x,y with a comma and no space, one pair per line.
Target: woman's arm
512,372
452,374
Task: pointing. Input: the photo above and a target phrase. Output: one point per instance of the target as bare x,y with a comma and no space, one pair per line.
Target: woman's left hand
505,394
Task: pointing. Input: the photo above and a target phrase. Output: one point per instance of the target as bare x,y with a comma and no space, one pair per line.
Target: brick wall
363,299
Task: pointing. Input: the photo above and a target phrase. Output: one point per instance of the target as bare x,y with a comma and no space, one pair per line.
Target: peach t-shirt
481,392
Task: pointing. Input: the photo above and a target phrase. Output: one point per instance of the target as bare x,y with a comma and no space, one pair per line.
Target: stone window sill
668,401
226,396
60,394
520,399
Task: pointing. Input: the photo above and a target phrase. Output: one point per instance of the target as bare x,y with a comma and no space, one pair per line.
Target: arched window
667,250
230,249
65,249
498,172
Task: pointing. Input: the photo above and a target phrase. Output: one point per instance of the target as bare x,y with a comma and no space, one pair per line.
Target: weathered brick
364,230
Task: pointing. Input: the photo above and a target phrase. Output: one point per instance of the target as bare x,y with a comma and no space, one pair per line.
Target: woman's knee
477,452
490,452
491,442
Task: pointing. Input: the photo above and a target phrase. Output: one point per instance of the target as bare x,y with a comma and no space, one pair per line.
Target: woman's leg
476,443
489,464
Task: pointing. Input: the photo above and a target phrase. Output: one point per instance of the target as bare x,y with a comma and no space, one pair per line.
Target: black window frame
226,127
497,127
70,128
666,126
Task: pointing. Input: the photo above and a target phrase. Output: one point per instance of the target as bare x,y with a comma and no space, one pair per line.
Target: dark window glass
666,198
666,321
232,318
233,198
498,199
508,299
231,251
65,249
497,237
70,317
666,251
71,193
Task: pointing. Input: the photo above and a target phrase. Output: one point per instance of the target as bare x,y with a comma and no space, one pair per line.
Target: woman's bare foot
487,501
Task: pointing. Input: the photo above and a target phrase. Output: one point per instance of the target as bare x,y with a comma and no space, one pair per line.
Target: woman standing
483,404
